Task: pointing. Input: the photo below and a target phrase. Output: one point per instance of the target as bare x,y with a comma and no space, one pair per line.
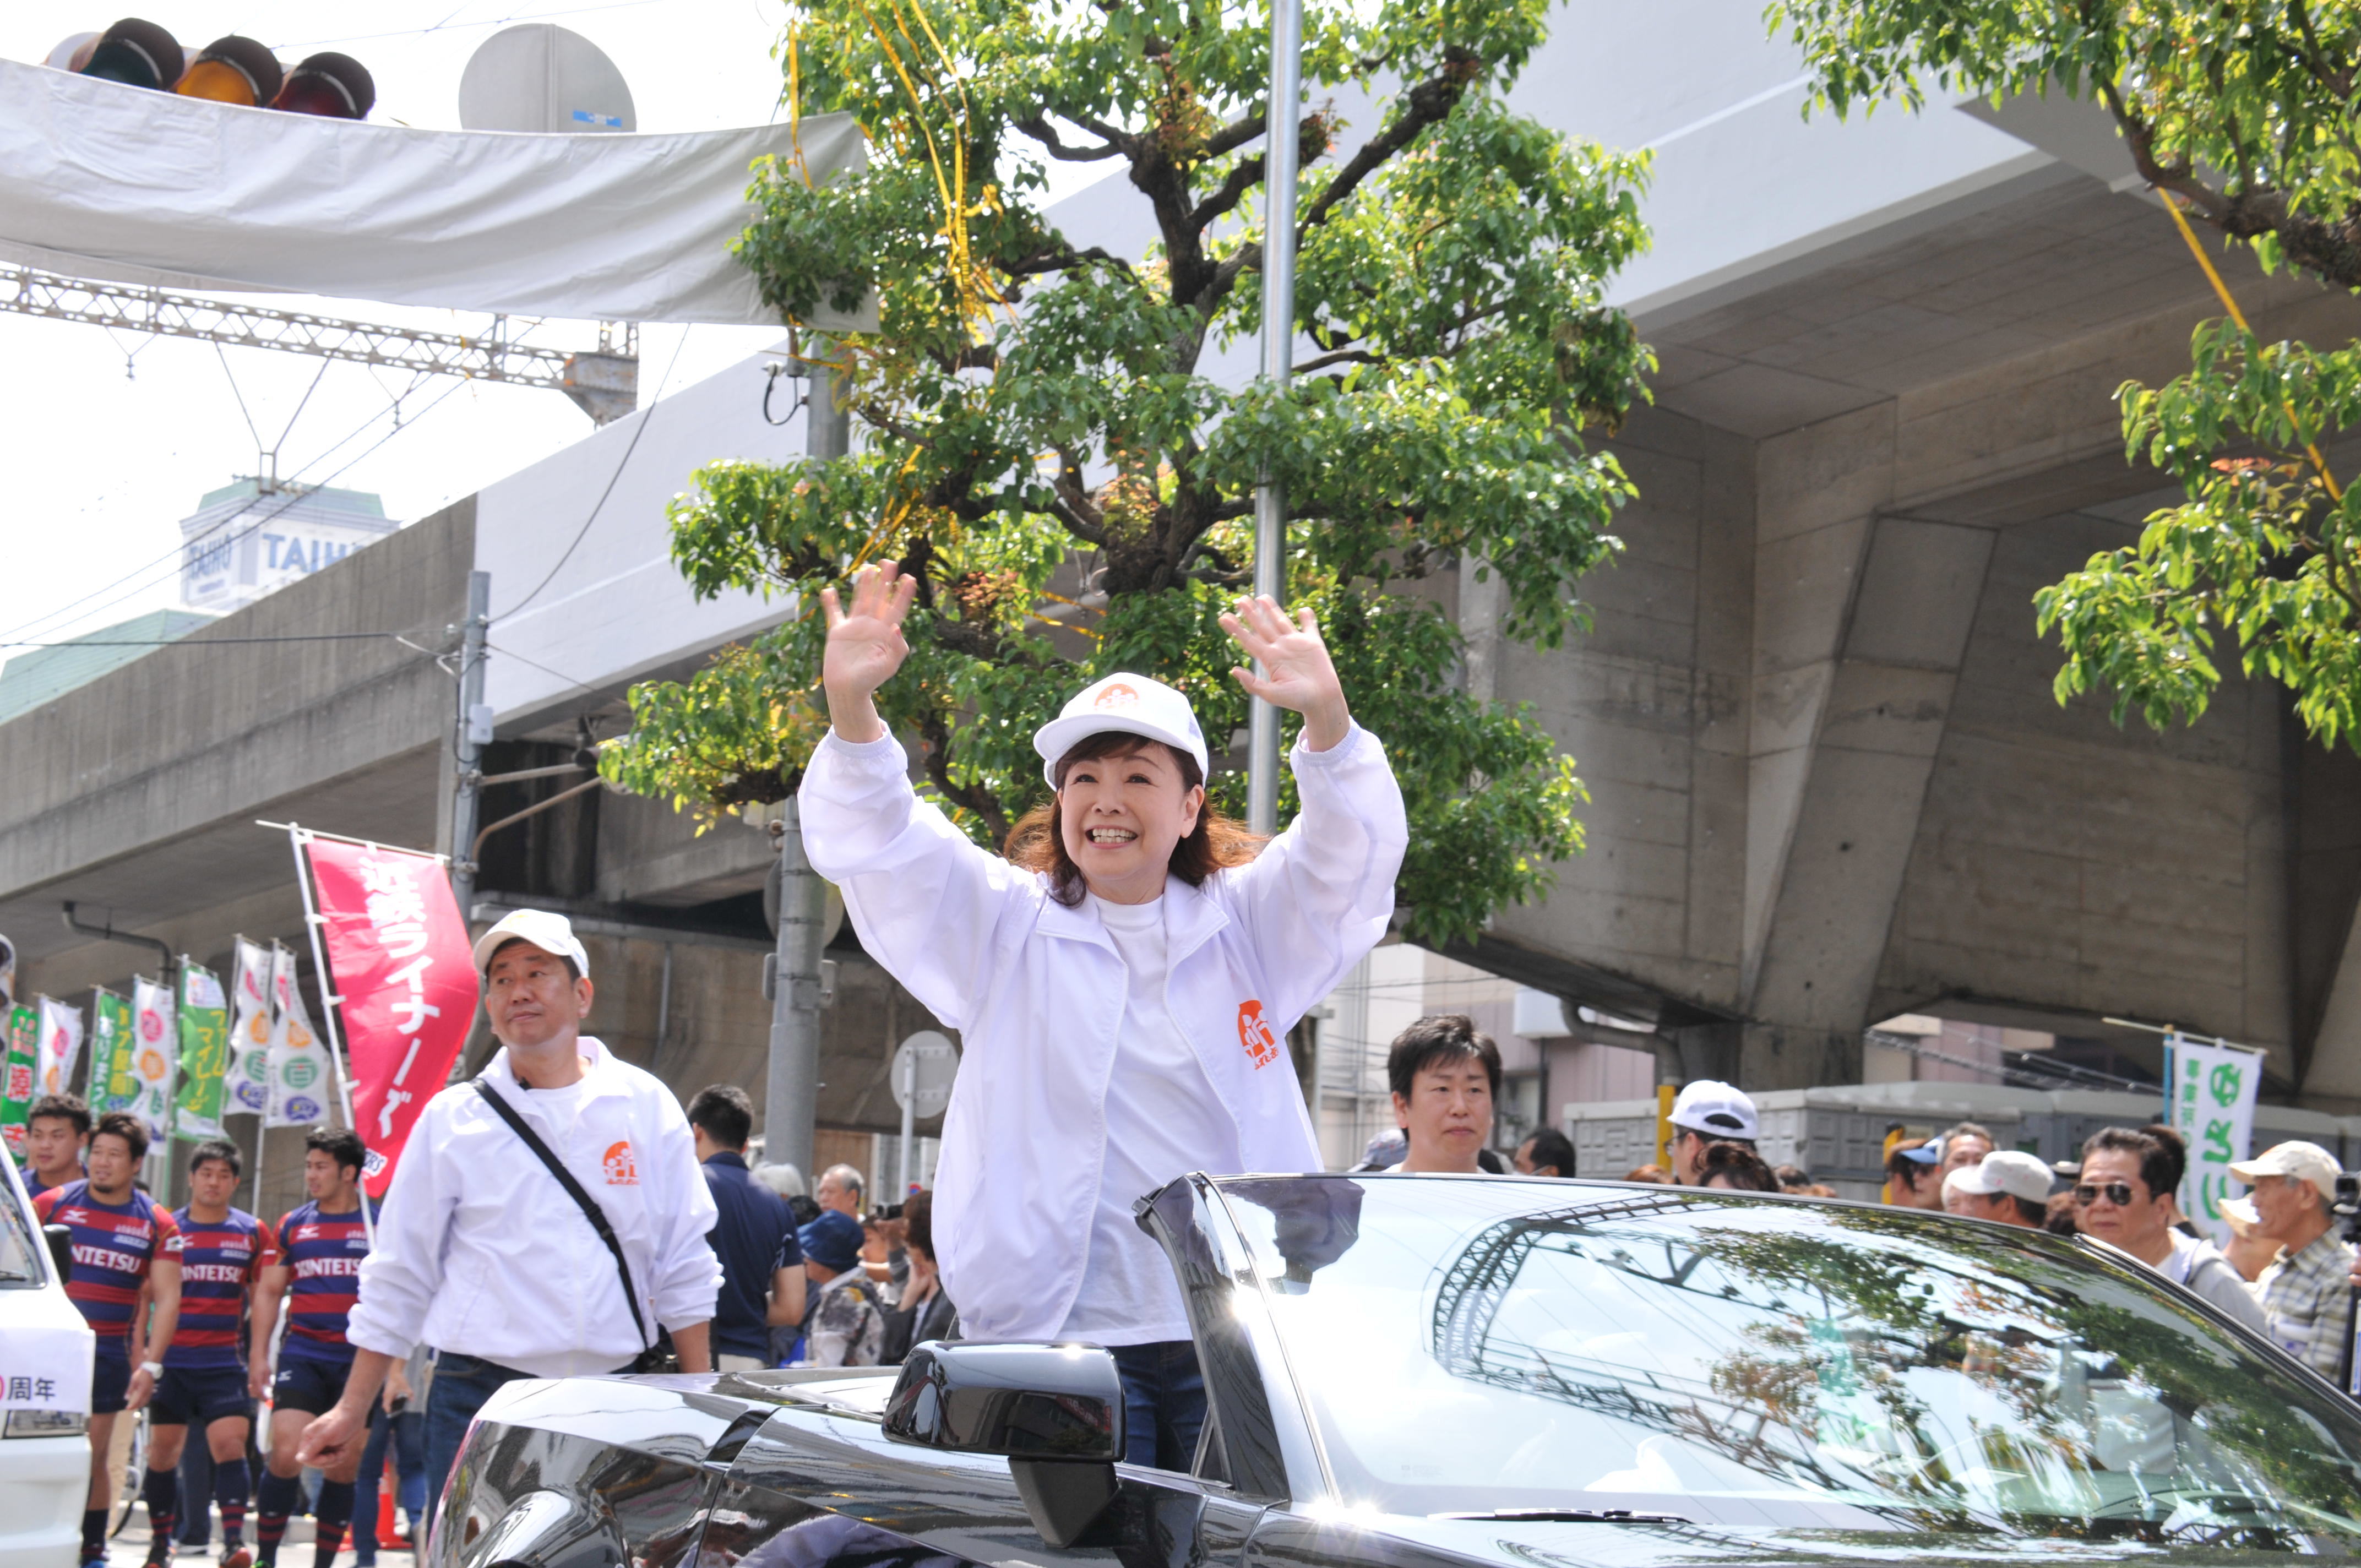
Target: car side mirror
1054,1412
60,1240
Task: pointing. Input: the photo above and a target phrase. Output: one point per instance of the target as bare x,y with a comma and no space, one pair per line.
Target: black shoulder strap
589,1205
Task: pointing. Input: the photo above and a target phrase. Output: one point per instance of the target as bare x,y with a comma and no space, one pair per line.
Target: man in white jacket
1123,981
481,1252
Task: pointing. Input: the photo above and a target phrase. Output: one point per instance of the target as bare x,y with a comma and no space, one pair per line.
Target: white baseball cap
2306,1162
552,932
1136,704
2013,1171
2240,1212
1716,1110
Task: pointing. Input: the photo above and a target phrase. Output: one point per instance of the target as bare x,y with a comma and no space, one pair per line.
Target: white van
45,1365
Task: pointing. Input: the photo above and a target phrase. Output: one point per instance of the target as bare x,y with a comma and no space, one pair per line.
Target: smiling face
531,997
1120,817
1447,1115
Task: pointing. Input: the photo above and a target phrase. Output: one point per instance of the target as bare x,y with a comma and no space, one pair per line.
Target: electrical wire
638,430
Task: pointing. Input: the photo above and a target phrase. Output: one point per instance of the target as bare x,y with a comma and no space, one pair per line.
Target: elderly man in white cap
486,1253
1124,980
1706,1112
2306,1290
2007,1187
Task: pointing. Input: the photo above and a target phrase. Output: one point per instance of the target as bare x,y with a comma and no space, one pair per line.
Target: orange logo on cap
622,1170
1117,696
1255,1036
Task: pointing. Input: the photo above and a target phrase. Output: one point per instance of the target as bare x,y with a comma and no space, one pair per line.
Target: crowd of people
1122,977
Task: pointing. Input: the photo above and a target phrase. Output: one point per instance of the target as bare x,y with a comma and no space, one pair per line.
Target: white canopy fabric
101,180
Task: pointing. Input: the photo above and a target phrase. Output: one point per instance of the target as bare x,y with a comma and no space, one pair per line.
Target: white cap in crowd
2012,1171
549,932
2241,1213
2303,1161
1136,704
1716,1109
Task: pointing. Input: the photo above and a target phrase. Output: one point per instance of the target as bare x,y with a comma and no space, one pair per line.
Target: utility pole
475,729
791,1092
1280,150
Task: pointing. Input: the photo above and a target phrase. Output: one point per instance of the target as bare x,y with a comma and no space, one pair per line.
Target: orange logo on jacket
1254,1034
622,1170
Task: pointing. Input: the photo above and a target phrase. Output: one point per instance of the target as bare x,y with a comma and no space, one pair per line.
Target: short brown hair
1038,842
919,1223
129,1128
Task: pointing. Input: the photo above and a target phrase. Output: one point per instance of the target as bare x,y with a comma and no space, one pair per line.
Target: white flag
246,1088
60,1044
155,1043
2211,1089
299,1062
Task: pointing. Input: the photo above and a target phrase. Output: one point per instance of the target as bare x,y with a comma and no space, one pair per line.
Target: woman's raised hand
1297,674
866,646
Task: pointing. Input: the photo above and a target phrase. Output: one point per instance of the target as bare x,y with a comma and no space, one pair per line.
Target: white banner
246,1089
155,1043
2213,1090
61,1045
45,1366
299,1084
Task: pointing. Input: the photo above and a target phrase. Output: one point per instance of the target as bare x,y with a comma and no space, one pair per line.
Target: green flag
113,1083
205,1055
16,1077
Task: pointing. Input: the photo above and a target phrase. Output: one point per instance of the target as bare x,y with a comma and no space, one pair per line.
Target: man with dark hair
1704,1113
2124,1196
122,1239
1735,1167
754,1235
1914,1175
1547,1153
57,1130
321,1245
224,1251
1446,1074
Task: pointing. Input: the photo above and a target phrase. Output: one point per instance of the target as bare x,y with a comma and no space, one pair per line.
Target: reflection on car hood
1526,1543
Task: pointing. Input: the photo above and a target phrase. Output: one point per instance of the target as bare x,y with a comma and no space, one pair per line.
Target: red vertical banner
399,955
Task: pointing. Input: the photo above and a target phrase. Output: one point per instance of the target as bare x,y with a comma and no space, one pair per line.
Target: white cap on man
1716,1109
550,932
2295,1158
2013,1171
1136,704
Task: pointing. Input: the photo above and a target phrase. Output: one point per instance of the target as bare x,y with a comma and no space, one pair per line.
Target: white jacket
1038,990
479,1250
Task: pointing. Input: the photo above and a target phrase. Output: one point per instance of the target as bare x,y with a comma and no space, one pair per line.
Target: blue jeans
462,1383
405,1435
1163,1403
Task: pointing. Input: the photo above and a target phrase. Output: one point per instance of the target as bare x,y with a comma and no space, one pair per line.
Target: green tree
1033,415
2242,112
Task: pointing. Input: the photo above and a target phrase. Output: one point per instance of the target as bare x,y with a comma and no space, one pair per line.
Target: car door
822,1488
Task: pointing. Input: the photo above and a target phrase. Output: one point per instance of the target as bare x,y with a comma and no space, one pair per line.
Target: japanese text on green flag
2213,1090
114,1083
17,1076
205,1055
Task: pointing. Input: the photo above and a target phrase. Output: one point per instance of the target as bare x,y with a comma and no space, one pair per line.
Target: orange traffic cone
388,1511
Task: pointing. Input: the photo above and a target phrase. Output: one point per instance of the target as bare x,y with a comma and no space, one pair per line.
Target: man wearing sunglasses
2124,1196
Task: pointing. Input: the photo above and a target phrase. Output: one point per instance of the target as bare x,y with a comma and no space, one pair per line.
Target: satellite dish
540,77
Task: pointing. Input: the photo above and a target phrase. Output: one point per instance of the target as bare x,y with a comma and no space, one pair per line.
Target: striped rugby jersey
114,1246
219,1262
325,1252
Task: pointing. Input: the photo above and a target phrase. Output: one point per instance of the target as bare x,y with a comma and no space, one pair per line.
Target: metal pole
469,786
909,1066
329,1003
791,1090
1279,142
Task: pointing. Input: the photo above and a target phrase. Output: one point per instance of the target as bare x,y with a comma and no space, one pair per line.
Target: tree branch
1042,131
1431,103
1343,357
937,735
1231,192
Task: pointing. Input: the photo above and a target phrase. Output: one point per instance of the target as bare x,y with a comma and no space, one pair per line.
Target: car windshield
1469,1345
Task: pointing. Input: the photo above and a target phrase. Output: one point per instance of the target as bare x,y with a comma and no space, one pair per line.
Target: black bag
657,1355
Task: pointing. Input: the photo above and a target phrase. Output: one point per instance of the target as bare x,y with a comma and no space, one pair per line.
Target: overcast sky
106,464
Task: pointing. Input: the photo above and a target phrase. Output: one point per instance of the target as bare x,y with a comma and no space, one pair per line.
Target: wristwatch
153,1368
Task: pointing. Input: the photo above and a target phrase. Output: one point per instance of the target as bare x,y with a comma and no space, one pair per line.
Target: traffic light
233,71
330,84
137,54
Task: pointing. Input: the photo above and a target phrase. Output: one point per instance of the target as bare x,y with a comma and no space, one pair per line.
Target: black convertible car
1421,1371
